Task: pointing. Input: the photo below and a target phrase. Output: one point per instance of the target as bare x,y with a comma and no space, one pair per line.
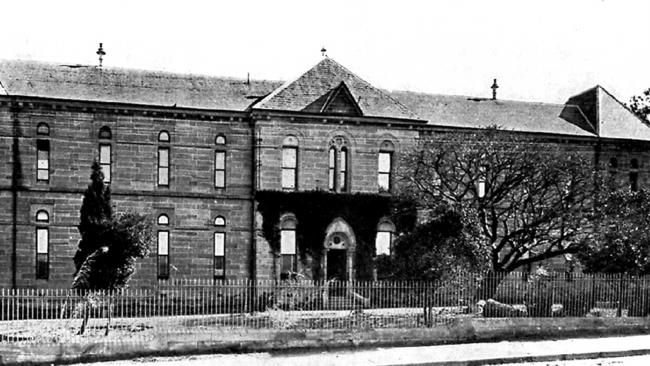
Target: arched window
105,133
338,165
163,246
43,129
385,166
289,263
105,152
42,245
634,175
384,238
219,247
290,163
220,162
220,140
163,136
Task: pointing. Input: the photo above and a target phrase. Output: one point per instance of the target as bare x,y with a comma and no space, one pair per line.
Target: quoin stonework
199,154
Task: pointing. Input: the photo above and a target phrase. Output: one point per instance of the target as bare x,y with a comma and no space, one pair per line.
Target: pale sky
538,50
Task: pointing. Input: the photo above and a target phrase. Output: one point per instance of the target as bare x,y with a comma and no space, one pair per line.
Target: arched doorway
338,252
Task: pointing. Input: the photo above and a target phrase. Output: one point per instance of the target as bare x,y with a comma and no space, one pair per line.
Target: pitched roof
468,112
301,93
38,79
617,121
326,88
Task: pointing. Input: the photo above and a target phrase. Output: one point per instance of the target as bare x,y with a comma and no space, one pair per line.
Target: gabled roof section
310,89
337,101
617,121
155,88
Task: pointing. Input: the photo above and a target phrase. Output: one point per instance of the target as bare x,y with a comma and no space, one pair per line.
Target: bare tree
530,201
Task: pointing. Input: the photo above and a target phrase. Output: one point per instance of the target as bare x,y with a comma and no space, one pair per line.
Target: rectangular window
220,169
343,174
105,161
288,253
332,170
219,255
289,165
382,243
43,160
163,166
163,254
384,169
42,253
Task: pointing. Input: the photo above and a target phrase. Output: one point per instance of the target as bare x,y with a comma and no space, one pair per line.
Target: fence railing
191,303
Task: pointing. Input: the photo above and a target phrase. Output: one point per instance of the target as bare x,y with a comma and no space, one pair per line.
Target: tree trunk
85,319
489,284
110,313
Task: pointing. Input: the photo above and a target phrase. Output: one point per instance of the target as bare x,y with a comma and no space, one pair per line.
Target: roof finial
494,89
101,53
323,52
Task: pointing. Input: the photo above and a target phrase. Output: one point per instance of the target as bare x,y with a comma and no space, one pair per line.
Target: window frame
106,166
163,228
165,168
42,272
293,184
385,226
288,225
219,231
220,171
43,145
388,174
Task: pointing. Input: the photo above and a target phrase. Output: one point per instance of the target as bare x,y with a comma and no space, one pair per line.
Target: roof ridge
487,99
117,69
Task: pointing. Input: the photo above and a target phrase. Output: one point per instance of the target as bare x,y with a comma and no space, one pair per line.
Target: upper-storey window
163,159
105,153
290,163
385,166
481,184
634,175
42,160
338,165
219,247
220,162
42,245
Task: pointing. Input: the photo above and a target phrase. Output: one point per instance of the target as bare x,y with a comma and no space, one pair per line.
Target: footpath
456,354
470,341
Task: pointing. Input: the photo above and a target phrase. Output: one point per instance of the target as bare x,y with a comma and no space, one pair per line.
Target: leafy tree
436,250
109,245
640,105
527,201
621,241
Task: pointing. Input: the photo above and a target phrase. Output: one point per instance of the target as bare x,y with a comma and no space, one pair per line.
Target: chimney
494,89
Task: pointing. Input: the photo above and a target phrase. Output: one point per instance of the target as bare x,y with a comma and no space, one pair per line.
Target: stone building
219,162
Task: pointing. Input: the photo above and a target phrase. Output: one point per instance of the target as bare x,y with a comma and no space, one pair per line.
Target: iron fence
189,305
